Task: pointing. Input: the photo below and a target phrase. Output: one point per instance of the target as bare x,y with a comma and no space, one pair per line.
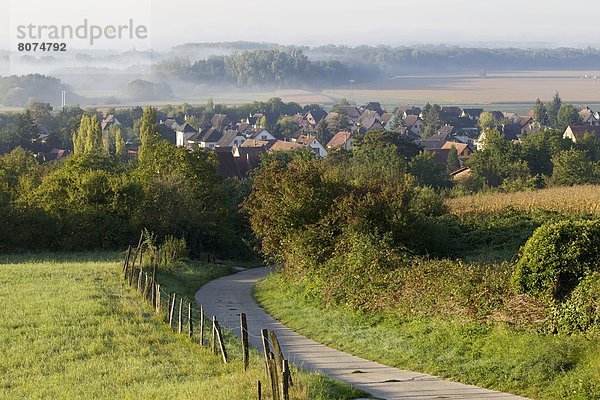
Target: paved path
228,296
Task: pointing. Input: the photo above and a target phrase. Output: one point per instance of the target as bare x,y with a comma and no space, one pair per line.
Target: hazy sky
314,22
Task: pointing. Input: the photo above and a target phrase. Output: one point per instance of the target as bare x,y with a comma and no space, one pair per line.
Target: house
524,122
386,120
341,140
255,120
406,110
206,139
578,132
349,111
414,124
253,143
231,138
463,150
109,121
588,117
472,113
369,120
374,106
172,123
183,133
220,121
461,174
314,144
449,114
247,158
407,134
228,167
262,134
166,133
445,131
436,141
280,145
511,132
315,116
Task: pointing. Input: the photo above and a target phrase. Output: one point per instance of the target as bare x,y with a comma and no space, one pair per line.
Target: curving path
227,297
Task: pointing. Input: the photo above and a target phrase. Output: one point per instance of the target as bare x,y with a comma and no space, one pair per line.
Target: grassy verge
70,329
489,355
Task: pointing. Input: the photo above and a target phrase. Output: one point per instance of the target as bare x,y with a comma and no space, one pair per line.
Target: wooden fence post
273,376
220,340
146,285
179,320
190,322
157,302
213,348
244,335
285,388
266,349
139,279
259,391
153,294
137,250
126,266
276,350
131,273
201,325
172,310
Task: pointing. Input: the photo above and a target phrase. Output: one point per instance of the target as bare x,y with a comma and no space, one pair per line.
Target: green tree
286,127
431,119
337,122
538,149
429,173
322,132
572,167
149,134
453,162
120,149
567,115
498,162
487,121
540,113
553,108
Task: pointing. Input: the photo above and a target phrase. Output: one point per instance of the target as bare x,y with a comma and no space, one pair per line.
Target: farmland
567,200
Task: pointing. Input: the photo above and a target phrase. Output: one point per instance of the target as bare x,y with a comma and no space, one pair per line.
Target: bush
173,250
581,312
557,257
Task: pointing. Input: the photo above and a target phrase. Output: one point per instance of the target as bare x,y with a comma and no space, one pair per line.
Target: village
239,144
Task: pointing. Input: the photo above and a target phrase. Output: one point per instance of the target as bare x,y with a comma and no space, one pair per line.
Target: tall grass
491,355
70,329
570,200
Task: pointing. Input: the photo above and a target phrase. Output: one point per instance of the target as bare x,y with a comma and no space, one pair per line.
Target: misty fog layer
201,70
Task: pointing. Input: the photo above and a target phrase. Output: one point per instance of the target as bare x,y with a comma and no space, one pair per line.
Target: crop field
567,200
505,87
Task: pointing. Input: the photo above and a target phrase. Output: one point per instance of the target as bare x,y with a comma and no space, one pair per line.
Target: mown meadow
70,328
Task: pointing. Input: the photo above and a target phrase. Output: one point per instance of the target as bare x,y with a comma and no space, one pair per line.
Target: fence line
165,304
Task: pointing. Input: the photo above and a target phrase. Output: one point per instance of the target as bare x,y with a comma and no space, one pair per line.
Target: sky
549,23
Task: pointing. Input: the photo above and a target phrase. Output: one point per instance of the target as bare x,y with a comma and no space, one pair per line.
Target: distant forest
269,64
233,65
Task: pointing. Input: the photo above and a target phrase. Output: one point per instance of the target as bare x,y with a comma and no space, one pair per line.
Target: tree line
96,199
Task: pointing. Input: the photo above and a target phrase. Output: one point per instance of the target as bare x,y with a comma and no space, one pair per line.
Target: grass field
493,356
567,200
70,329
